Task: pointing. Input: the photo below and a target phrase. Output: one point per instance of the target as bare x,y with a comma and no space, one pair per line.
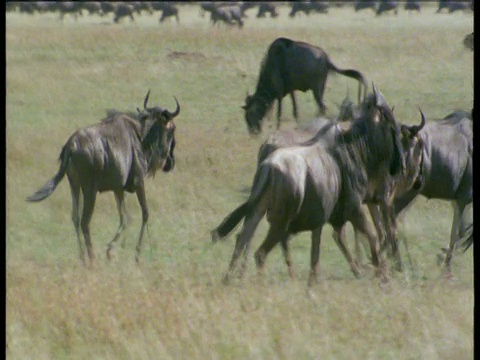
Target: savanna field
64,75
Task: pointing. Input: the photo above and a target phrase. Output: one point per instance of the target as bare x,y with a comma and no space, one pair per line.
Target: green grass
63,76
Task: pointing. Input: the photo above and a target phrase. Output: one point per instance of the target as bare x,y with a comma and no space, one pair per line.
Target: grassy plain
61,76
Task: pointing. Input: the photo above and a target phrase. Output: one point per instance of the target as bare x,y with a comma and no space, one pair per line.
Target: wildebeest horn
414,129
176,112
146,100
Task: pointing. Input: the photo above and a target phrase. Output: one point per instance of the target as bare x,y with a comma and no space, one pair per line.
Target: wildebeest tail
467,238
229,223
233,219
50,186
354,74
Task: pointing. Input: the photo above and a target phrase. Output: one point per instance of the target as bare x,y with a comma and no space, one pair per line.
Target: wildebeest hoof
226,280
215,236
440,259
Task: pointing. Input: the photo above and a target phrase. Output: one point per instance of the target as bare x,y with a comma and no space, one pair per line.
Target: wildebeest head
255,109
379,121
158,135
413,146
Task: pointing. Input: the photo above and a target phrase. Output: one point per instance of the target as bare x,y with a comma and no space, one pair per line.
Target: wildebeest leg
143,204
276,234
339,237
75,192
358,252
318,95
287,256
89,196
384,220
454,234
294,105
390,225
359,220
315,256
377,222
249,225
279,112
119,199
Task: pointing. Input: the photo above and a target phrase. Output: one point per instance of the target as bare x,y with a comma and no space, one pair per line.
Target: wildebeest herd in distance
329,170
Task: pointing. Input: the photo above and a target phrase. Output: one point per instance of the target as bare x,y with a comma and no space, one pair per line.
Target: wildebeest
300,188
383,215
169,10
114,155
307,6
412,5
288,66
446,170
122,10
365,4
387,5
267,7
451,5
468,41
93,7
230,15
69,7
107,7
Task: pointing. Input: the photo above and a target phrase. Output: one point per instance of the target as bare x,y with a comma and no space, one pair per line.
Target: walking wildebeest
168,11
300,188
365,4
288,66
122,10
383,216
411,5
267,7
114,155
307,6
446,170
230,15
451,5
69,7
387,5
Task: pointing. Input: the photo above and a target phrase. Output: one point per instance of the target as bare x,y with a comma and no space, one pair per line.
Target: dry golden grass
62,76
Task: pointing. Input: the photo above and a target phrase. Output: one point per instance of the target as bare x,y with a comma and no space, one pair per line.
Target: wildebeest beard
154,155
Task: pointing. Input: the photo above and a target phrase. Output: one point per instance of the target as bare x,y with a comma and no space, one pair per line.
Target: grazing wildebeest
412,5
114,155
288,66
387,5
383,214
169,10
446,170
300,188
365,4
